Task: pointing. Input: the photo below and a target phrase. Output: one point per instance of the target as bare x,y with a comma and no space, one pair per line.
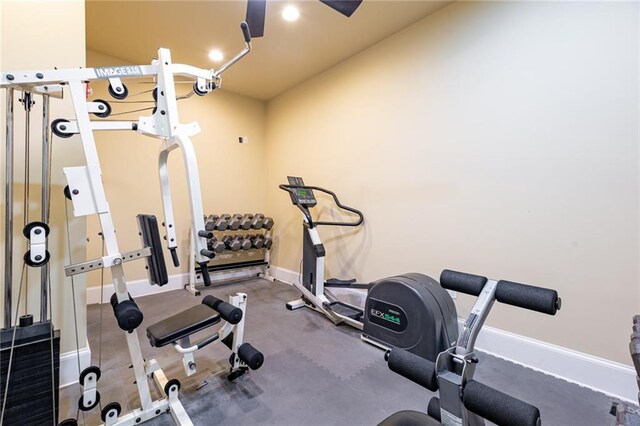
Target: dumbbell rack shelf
231,265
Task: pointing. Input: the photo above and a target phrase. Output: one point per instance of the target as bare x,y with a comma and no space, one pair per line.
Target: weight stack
32,398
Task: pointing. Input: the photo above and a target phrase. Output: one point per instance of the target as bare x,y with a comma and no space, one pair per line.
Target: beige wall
231,174
505,134
54,38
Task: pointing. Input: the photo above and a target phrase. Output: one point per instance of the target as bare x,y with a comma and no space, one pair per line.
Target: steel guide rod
27,103
44,270
8,211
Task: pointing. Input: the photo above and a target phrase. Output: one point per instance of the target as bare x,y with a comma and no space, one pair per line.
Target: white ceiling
288,54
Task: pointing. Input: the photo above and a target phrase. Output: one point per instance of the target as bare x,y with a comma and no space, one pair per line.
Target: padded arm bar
462,282
157,269
413,367
228,312
498,407
529,297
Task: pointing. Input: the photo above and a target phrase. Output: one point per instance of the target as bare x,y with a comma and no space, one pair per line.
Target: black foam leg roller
462,282
251,356
498,407
529,297
413,367
433,409
127,313
228,312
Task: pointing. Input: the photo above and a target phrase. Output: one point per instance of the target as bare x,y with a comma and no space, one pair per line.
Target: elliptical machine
410,311
464,401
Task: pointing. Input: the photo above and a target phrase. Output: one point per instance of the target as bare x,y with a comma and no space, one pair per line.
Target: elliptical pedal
335,282
344,310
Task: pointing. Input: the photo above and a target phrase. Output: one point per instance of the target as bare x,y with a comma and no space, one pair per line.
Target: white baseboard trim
598,374
69,365
286,276
137,288
601,375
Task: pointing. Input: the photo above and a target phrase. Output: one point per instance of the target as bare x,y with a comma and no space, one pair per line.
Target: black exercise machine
464,401
410,311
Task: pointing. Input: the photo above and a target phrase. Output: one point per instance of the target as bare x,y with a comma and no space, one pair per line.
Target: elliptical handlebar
305,210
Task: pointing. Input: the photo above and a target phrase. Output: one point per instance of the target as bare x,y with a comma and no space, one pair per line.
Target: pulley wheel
110,410
90,404
57,130
119,96
105,112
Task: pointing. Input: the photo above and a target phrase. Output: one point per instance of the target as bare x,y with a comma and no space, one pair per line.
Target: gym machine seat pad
181,325
409,418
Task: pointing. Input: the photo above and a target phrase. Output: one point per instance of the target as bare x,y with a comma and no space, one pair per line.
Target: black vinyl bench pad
181,325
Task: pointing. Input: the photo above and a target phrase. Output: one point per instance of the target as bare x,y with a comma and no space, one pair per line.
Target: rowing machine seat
181,325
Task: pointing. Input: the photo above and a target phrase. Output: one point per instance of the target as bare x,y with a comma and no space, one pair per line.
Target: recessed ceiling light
290,13
216,55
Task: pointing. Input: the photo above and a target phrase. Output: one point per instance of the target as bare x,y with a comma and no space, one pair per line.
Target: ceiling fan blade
346,7
255,17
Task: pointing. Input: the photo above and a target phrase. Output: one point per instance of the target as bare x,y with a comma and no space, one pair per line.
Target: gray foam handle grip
529,297
174,256
415,368
245,32
205,274
498,407
462,282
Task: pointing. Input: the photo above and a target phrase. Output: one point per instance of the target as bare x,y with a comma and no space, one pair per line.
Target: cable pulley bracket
37,254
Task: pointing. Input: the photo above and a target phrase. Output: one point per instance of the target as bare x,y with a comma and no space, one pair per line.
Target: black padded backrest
156,268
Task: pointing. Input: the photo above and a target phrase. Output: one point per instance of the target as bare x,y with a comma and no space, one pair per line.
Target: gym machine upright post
86,191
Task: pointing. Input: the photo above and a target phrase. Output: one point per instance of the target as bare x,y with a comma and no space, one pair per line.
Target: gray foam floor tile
315,373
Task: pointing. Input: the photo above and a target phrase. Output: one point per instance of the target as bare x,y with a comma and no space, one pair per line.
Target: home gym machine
410,311
464,401
86,192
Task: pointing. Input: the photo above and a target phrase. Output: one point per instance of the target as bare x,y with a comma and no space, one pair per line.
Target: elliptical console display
300,194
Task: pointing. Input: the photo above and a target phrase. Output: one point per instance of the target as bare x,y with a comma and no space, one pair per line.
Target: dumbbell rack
231,265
